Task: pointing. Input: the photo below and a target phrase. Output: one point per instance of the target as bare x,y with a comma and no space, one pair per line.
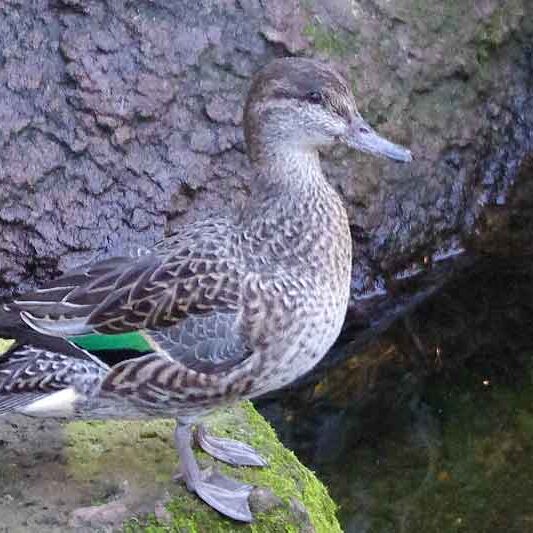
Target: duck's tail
13,327
39,382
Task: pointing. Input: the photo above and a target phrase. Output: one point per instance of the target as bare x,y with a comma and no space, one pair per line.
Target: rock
286,24
263,500
100,516
161,513
285,490
121,136
302,516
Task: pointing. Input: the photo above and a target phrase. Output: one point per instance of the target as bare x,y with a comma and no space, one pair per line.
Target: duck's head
306,104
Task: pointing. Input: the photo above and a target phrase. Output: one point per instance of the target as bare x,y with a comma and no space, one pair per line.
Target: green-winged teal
226,309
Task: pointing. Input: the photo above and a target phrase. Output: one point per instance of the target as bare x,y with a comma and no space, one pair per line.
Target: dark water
430,427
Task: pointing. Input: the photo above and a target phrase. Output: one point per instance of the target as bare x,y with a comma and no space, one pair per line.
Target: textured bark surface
121,120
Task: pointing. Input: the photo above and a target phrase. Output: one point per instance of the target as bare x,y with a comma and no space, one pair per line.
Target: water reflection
430,427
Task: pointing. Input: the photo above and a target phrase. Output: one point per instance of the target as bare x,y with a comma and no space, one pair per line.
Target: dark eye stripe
314,97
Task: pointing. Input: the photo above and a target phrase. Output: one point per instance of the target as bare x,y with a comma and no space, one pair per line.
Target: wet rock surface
122,121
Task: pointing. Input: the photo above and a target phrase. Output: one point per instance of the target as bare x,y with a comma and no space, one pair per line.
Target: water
430,427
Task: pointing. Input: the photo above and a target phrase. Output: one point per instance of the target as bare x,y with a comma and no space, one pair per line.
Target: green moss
143,454
143,450
494,31
332,43
435,17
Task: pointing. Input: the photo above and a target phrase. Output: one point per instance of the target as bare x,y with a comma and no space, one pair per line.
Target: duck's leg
230,451
226,495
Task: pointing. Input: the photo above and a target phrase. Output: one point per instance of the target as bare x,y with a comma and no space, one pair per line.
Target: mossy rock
291,497
133,462
109,456
331,43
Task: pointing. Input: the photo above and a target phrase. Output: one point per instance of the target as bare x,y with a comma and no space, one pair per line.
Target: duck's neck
294,215
287,170
289,188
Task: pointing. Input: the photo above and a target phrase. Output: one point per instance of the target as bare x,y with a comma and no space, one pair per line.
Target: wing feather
185,294
193,274
207,343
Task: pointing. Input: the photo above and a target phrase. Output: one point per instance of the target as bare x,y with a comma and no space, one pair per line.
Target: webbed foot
229,451
228,496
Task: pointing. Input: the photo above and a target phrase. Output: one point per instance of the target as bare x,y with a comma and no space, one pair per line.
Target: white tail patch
57,404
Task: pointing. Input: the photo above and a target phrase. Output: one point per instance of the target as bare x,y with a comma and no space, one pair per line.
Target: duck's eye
314,97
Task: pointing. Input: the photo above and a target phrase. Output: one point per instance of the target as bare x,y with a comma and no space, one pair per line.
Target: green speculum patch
97,342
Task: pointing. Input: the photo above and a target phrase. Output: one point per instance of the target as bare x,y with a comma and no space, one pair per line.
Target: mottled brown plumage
229,308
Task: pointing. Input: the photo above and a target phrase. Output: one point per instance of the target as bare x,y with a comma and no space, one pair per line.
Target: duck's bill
362,137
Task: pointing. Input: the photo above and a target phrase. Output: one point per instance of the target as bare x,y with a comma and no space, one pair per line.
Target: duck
228,308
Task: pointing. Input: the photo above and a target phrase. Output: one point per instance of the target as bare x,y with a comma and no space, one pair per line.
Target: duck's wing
208,343
183,300
191,282
127,294
188,357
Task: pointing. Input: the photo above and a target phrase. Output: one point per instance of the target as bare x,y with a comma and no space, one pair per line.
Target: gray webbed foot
229,451
228,496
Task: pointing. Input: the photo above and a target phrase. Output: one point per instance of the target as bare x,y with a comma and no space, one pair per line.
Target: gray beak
362,137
